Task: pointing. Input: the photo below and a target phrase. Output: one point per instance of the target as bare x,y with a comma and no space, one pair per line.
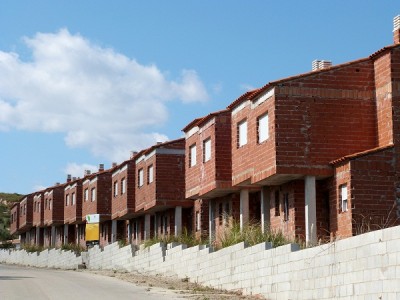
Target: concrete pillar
147,227
137,233
38,235
113,231
129,238
65,234
77,233
244,208
53,236
265,209
178,220
211,221
155,224
310,210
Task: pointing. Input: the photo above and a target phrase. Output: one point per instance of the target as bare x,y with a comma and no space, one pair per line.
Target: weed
77,249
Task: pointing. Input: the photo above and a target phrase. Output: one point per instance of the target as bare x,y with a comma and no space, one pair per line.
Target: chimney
87,172
320,64
114,164
133,154
396,29
101,167
159,143
73,178
69,178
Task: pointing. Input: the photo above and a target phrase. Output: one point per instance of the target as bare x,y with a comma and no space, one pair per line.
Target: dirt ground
183,287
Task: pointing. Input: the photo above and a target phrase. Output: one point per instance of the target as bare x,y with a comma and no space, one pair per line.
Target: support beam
211,221
244,208
147,227
178,220
310,210
265,209
129,238
53,236
113,231
38,236
65,233
156,218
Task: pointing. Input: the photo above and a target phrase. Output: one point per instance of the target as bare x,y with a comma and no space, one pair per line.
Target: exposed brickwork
98,193
14,221
168,186
38,209
73,209
26,213
211,176
54,206
123,201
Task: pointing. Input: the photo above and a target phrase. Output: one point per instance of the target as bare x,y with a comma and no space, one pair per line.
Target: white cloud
76,170
100,99
247,87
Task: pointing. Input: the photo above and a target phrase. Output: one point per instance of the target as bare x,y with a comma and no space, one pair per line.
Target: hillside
6,201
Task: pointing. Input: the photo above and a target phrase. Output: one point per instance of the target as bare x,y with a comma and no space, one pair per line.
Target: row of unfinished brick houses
316,156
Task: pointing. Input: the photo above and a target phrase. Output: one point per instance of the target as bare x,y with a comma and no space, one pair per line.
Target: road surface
18,282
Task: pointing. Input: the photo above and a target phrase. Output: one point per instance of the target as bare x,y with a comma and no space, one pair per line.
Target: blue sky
86,82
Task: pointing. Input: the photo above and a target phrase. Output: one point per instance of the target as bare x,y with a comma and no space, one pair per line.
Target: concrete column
178,220
310,210
147,227
53,236
77,233
244,208
211,221
38,235
156,224
265,209
129,238
113,231
65,234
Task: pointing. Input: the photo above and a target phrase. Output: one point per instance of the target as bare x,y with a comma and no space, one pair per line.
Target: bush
76,248
251,235
184,238
32,248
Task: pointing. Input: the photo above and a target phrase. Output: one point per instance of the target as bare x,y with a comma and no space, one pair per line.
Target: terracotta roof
192,124
160,145
360,154
210,116
242,98
383,50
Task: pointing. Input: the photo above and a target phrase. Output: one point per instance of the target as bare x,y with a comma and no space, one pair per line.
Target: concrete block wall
53,258
361,267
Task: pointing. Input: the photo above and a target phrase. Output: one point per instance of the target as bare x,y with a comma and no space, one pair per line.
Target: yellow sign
92,232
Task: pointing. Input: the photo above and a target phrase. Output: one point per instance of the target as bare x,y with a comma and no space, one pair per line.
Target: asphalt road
30,283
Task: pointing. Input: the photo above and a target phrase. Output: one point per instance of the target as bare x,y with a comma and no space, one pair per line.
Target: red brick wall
192,173
38,209
73,213
242,164
383,100
123,205
373,193
201,207
55,215
168,186
293,227
341,222
325,116
103,190
145,195
14,222
263,155
26,213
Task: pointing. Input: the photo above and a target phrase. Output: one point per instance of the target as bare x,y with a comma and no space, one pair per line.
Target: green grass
73,247
251,235
184,238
